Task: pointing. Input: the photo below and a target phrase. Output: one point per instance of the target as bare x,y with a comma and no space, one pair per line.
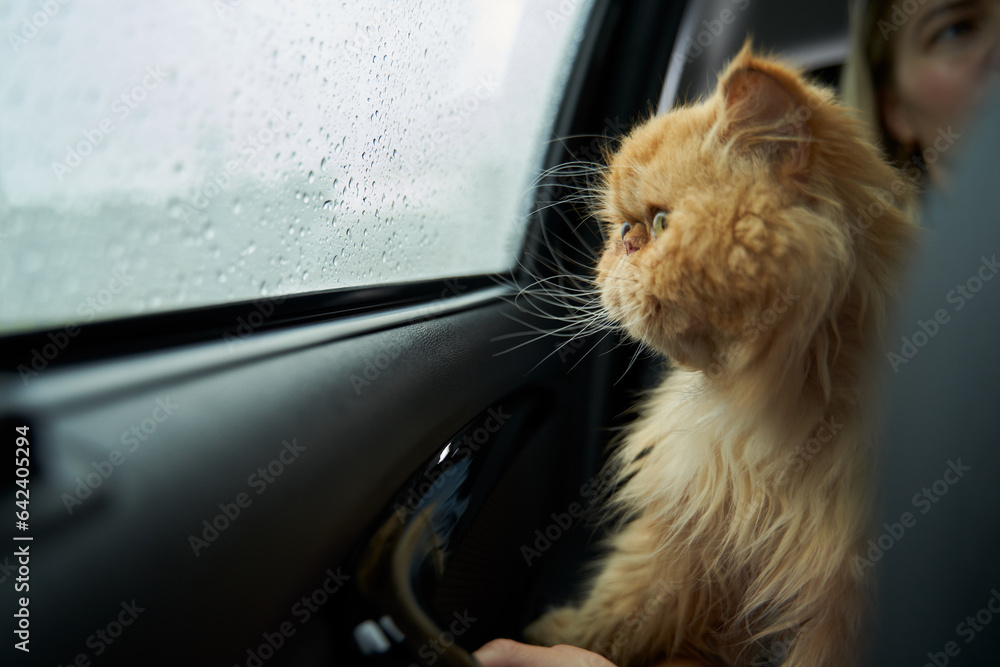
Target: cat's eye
659,223
626,228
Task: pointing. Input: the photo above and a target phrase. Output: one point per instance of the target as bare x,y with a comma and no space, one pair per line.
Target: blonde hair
868,70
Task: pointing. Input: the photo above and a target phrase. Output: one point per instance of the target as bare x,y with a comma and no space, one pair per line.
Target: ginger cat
755,239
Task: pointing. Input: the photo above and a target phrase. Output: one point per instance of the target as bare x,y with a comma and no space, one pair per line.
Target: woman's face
945,55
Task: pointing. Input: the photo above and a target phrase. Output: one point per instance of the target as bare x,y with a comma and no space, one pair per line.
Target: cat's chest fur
736,514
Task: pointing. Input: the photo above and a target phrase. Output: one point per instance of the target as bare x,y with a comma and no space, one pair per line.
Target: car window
185,153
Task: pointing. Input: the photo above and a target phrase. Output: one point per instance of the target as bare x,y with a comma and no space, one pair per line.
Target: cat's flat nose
635,238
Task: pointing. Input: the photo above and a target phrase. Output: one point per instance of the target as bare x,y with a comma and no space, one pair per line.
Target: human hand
508,653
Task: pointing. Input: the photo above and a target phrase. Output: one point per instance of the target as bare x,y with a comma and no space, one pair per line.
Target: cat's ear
763,115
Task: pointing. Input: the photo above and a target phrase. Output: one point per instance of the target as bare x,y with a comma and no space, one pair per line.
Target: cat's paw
558,626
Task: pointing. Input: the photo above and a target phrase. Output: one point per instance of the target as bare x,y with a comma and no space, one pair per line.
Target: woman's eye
659,223
625,229
954,31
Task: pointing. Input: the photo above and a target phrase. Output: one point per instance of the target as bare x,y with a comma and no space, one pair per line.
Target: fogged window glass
167,154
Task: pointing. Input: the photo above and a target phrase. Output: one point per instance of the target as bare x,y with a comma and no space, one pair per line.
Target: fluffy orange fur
747,478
